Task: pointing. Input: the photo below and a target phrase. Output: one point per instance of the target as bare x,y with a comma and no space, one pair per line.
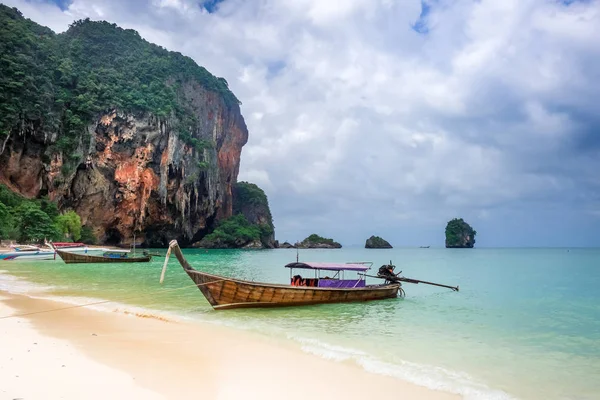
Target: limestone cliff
132,137
138,174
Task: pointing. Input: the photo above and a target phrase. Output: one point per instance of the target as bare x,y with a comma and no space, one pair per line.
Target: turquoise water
525,324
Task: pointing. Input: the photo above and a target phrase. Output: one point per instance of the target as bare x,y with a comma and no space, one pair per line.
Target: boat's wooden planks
73,258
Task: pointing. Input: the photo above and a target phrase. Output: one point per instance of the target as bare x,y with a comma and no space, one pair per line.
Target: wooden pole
409,280
164,270
416,281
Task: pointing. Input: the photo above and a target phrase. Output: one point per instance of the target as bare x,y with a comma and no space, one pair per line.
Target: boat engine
387,272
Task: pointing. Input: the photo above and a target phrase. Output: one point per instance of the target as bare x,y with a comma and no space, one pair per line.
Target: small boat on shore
27,252
226,293
107,257
82,248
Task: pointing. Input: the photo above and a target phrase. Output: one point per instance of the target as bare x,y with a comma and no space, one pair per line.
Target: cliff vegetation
63,81
459,234
252,223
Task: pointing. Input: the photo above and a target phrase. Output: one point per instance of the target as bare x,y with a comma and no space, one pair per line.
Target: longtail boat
226,293
107,257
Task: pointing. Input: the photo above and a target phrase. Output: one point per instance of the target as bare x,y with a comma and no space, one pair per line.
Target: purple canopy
328,266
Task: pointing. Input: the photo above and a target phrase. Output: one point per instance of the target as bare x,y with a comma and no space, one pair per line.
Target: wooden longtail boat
74,258
225,293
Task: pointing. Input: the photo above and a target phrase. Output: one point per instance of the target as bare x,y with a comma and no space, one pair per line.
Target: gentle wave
16,285
20,286
431,377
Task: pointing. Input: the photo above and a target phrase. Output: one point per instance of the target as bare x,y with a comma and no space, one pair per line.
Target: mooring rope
106,301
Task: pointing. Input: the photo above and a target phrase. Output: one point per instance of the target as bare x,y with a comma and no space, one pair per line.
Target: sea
524,325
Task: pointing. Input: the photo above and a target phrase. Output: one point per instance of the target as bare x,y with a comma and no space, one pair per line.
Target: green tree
7,223
69,224
87,235
34,224
49,207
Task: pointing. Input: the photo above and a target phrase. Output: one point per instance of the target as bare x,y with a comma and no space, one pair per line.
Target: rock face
137,173
375,242
317,242
286,245
459,234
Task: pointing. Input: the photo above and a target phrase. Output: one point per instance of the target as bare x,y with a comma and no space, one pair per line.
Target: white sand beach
80,353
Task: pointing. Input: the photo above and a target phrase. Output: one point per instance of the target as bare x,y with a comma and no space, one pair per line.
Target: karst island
375,242
459,234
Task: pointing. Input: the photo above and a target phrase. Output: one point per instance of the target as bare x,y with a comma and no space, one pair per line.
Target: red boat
64,245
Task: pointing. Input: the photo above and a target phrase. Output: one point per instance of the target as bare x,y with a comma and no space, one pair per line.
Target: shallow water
525,324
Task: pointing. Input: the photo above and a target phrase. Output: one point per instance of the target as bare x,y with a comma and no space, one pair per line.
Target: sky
389,118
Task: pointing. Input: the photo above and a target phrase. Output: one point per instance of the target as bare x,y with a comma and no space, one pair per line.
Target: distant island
285,245
375,242
459,234
315,241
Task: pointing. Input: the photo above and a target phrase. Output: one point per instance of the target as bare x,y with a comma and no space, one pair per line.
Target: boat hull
74,258
88,251
27,255
226,293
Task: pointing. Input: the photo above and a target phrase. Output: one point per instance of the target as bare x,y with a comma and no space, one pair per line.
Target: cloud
395,116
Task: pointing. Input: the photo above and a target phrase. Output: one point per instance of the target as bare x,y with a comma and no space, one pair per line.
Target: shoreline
182,359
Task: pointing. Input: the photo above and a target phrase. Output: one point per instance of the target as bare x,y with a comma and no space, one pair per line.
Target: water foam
429,376
16,285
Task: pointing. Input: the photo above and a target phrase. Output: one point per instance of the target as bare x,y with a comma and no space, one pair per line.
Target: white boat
80,248
27,253
92,251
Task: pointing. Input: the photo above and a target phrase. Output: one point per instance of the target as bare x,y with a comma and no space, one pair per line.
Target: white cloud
358,122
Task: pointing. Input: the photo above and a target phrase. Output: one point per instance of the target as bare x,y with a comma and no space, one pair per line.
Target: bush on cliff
232,232
251,201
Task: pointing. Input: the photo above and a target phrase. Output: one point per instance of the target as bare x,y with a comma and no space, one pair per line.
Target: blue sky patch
421,25
62,4
211,5
274,67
